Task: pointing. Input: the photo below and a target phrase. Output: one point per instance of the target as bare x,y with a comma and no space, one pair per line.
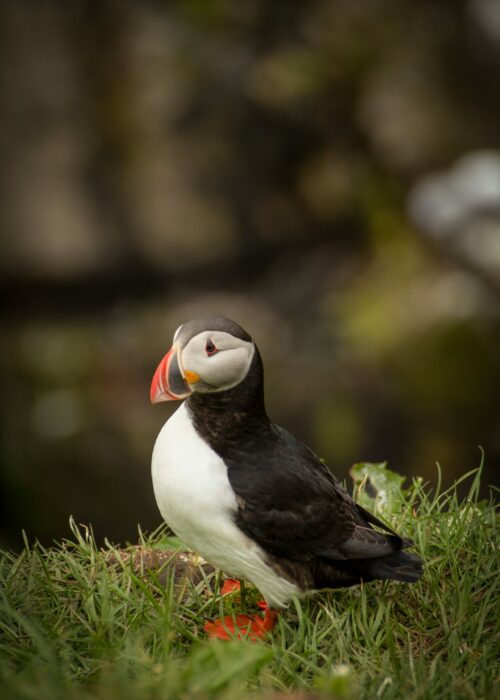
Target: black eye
210,348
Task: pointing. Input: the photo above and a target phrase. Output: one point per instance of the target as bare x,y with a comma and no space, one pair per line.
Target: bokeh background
327,173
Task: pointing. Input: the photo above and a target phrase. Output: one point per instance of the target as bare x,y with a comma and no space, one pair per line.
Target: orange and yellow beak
169,381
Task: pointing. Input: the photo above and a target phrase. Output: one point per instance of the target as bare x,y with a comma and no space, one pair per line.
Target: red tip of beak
159,385
168,382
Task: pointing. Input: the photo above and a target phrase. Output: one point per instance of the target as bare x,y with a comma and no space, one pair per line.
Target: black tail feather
399,566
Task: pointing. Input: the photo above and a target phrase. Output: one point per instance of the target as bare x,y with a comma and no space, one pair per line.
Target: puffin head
207,355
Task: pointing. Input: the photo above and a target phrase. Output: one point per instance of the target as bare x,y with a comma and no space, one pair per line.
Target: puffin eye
210,348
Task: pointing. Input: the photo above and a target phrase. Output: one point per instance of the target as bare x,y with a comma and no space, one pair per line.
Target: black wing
292,505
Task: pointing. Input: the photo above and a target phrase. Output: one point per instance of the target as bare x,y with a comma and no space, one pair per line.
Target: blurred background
326,173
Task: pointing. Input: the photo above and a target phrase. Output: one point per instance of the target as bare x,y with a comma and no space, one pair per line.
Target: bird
249,497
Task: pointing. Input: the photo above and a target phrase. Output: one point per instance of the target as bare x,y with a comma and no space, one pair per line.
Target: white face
220,360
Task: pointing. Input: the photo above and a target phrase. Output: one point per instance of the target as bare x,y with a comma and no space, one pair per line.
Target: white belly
196,500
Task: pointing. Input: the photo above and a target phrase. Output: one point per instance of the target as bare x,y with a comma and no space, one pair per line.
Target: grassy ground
79,622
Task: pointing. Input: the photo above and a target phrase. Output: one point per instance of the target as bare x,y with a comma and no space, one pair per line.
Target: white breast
196,500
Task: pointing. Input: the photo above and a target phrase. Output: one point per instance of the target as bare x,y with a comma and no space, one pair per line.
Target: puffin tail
399,566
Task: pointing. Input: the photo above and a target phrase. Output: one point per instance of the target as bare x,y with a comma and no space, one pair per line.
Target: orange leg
241,626
230,585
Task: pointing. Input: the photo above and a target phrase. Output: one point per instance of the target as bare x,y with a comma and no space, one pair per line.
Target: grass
80,622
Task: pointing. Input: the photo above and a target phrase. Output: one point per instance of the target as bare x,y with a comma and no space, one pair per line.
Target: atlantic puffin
245,494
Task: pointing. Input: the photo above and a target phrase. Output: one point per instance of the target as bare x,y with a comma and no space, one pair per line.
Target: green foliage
81,622
378,487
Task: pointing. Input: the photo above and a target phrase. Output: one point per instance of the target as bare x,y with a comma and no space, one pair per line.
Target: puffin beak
168,382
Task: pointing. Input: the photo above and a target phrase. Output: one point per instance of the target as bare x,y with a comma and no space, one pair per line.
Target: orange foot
251,627
230,585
